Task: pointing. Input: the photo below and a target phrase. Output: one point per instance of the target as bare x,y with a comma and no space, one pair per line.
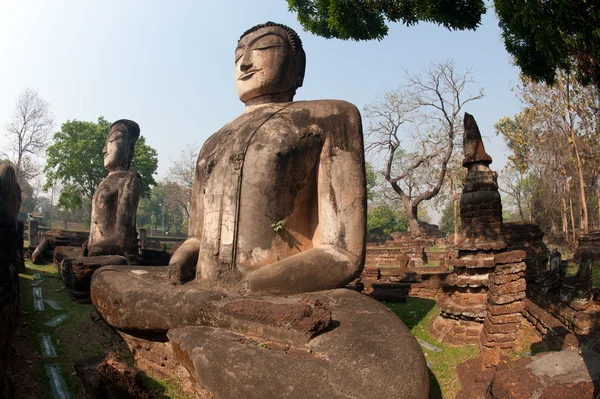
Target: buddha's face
265,64
116,149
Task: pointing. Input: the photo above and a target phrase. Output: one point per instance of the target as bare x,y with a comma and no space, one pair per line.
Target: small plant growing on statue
278,226
262,345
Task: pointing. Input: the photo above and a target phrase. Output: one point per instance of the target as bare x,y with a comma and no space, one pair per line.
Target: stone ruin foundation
506,291
528,237
588,242
463,307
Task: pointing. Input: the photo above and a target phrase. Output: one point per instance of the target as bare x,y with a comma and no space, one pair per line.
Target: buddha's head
269,64
120,143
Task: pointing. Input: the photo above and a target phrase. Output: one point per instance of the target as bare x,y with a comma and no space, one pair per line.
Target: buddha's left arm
337,256
125,231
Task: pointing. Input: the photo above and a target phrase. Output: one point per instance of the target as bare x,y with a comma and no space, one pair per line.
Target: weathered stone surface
224,337
511,268
114,204
506,298
62,253
308,317
473,148
277,211
456,332
514,256
564,374
326,371
37,257
474,379
105,377
508,287
500,337
513,307
10,201
528,237
77,273
505,318
500,279
505,328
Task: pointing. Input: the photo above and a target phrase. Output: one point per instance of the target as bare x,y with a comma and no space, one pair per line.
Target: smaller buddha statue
114,204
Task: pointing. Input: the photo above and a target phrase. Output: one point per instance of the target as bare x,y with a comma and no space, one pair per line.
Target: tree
448,223
549,36
180,180
367,20
426,110
69,200
371,181
76,157
27,132
383,220
554,145
542,36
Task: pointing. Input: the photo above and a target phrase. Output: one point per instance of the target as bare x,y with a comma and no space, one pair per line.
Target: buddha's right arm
182,267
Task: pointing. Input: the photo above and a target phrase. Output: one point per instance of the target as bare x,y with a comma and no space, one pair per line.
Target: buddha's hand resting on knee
182,267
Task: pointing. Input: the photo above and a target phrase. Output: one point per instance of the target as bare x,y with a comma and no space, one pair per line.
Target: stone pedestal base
456,332
77,273
265,347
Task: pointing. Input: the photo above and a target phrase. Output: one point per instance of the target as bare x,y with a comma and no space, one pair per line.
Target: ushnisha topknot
295,41
132,129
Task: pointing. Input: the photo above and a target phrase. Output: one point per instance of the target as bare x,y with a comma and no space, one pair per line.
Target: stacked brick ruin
589,242
529,237
506,292
463,308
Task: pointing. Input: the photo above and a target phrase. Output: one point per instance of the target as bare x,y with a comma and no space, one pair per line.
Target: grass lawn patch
76,338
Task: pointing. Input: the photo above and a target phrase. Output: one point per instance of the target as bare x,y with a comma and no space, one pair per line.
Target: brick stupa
463,308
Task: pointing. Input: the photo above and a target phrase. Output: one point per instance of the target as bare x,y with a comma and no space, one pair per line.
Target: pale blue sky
168,65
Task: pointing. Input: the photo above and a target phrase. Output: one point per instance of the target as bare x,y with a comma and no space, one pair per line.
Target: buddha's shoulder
332,107
125,175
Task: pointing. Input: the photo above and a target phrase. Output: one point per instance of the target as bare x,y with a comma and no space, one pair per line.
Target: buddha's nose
245,66
246,61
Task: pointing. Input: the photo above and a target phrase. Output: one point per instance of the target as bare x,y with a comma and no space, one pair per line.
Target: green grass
75,338
417,314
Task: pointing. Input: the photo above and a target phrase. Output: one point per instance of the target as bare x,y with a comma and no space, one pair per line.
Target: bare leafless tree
181,178
413,128
28,133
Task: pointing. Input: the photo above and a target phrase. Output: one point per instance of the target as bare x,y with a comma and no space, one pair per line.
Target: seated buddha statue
250,304
114,204
278,201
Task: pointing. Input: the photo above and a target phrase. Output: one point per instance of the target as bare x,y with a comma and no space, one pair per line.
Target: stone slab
351,358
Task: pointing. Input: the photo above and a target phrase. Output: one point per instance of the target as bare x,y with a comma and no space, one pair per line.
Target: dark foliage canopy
367,19
544,36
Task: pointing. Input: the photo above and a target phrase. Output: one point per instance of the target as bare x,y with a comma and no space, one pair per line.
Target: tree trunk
572,220
565,219
584,211
413,226
598,204
455,221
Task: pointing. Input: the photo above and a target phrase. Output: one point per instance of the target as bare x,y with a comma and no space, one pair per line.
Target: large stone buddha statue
114,204
250,304
278,202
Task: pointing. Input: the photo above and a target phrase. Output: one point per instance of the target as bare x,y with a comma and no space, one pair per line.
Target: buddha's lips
248,74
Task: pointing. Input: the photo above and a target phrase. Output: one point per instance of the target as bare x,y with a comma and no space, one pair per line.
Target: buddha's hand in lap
321,268
182,267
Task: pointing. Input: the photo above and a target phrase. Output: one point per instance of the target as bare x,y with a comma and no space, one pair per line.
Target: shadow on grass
435,390
413,311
